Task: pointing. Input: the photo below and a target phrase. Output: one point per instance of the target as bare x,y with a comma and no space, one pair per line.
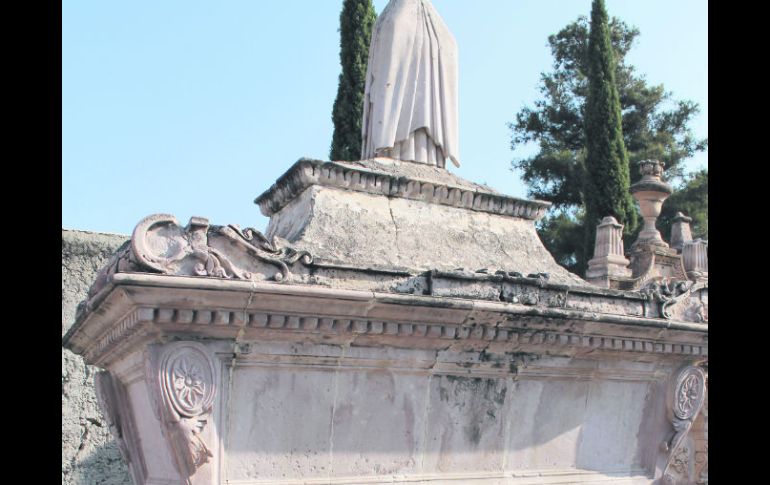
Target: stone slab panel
609,435
284,423
378,423
466,424
546,422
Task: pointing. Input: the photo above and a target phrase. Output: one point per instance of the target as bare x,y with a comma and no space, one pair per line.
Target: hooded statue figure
410,100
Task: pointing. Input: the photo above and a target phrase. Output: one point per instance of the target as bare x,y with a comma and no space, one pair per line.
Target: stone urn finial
650,192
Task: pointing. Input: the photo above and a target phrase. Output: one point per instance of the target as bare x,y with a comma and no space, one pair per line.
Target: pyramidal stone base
384,213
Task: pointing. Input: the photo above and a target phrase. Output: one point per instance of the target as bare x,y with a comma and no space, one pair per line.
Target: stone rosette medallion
690,393
186,387
188,380
688,396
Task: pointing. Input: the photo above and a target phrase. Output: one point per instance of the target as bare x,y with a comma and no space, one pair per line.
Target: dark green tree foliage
653,124
356,23
563,236
692,199
607,181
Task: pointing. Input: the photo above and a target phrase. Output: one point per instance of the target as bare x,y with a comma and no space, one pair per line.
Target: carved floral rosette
690,391
185,380
687,398
188,379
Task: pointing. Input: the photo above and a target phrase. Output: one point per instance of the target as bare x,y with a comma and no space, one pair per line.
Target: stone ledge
544,477
395,179
228,309
173,319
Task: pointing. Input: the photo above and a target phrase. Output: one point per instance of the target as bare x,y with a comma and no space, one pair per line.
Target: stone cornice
361,178
134,309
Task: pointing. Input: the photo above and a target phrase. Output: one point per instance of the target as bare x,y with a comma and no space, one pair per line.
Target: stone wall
89,454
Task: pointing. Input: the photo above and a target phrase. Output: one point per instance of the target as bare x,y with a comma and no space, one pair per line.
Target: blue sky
196,107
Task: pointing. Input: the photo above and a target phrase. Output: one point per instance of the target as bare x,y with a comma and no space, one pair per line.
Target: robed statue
410,100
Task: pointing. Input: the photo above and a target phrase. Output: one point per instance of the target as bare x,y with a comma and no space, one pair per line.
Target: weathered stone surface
368,230
680,231
695,259
89,454
330,385
394,178
383,331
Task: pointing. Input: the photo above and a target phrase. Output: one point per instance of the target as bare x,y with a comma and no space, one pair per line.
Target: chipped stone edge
307,172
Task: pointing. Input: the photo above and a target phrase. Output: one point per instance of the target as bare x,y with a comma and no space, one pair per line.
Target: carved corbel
113,401
184,382
686,401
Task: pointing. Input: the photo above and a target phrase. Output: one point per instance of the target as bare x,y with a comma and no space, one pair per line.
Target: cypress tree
607,180
356,23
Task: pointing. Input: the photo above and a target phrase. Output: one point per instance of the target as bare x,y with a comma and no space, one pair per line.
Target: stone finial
609,259
650,192
696,259
680,231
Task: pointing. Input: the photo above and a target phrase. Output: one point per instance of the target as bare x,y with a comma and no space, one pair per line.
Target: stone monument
394,324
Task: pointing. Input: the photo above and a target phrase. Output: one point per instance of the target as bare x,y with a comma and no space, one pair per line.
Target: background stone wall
89,455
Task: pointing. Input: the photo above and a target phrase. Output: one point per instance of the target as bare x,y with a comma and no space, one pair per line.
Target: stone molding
521,365
529,477
667,298
160,245
183,381
257,324
307,172
129,309
113,401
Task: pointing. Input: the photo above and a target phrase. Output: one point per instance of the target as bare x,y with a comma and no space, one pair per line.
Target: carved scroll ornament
688,395
185,383
668,294
160,245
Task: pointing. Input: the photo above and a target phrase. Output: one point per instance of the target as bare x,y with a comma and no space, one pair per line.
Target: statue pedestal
233,358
